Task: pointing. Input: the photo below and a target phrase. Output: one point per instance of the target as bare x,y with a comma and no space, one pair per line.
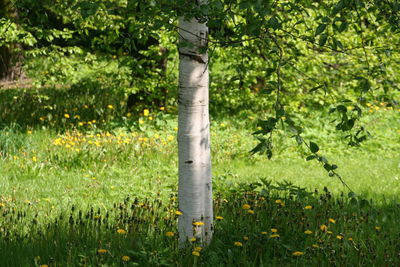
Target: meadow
85,182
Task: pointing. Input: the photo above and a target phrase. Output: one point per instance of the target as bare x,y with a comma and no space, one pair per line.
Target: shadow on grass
257,224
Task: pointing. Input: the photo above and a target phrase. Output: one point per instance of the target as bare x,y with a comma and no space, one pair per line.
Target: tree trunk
195,186
10,58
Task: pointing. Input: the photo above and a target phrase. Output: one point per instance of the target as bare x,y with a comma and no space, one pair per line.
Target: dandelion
377,228
195,253
329,232
146,112
126,258
323,228
66,115
110,107
274,236
77,117
308,207
29,132
178,212
102,251
274,230
350,239
141,121
264,233
262,198
121,231
246,238
222,125
246,206
193,239
308,232
297,253
151,118
198,223
170,138
332,220
162,108
250,211
169,234
219,218
43,265
198,249
238,244
34,159
340,237
2,205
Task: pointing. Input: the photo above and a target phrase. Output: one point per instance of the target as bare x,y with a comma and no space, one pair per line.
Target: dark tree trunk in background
10,58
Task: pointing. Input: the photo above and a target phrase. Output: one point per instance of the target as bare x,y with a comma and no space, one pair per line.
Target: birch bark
195,186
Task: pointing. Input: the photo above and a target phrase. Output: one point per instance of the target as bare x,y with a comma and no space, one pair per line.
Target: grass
70,180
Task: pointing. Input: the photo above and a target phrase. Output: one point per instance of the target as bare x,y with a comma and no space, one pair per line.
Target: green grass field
88,185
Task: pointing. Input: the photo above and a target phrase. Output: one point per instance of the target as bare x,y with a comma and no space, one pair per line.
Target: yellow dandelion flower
193,239
198,223
340,237
29,132
262,198
34,159
66,115
146,112
196,253
126,258
102,251
250,211
246,238
246,206
238,244
170,138
377,228
222,124
141,121
198,249
77,117
329,232
219,218
323,228
129,114
350,239
297,253
2,205
332,220
308,232
264,233
274,236
178,212
43,265
308,207
121,231
162,108
274,230
278,201
110,106
169,234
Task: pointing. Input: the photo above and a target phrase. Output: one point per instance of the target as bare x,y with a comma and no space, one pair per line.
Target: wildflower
196,253
323,228
262,198
129,114
246,238
198,249
121,231
315,246
246,206
340,237
308,232
141,121
198,223
274,236
250,211
278,201
162,108
350,239
151,118
170,138
329,232
34,159
126,258
332,220
238,244
222,125
193,239
43,265
29,132
297,253
102,251
169,234
2,205
377,228
77,117
66,115
110,106
264,233
146,112
178,212
308,207
219,218
274,230
81,123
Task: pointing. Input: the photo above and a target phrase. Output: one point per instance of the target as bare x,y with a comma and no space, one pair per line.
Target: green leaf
320,29
274,23
322,39
311,157
314,147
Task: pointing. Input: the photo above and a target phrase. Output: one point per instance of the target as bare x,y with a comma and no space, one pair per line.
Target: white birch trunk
195,186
